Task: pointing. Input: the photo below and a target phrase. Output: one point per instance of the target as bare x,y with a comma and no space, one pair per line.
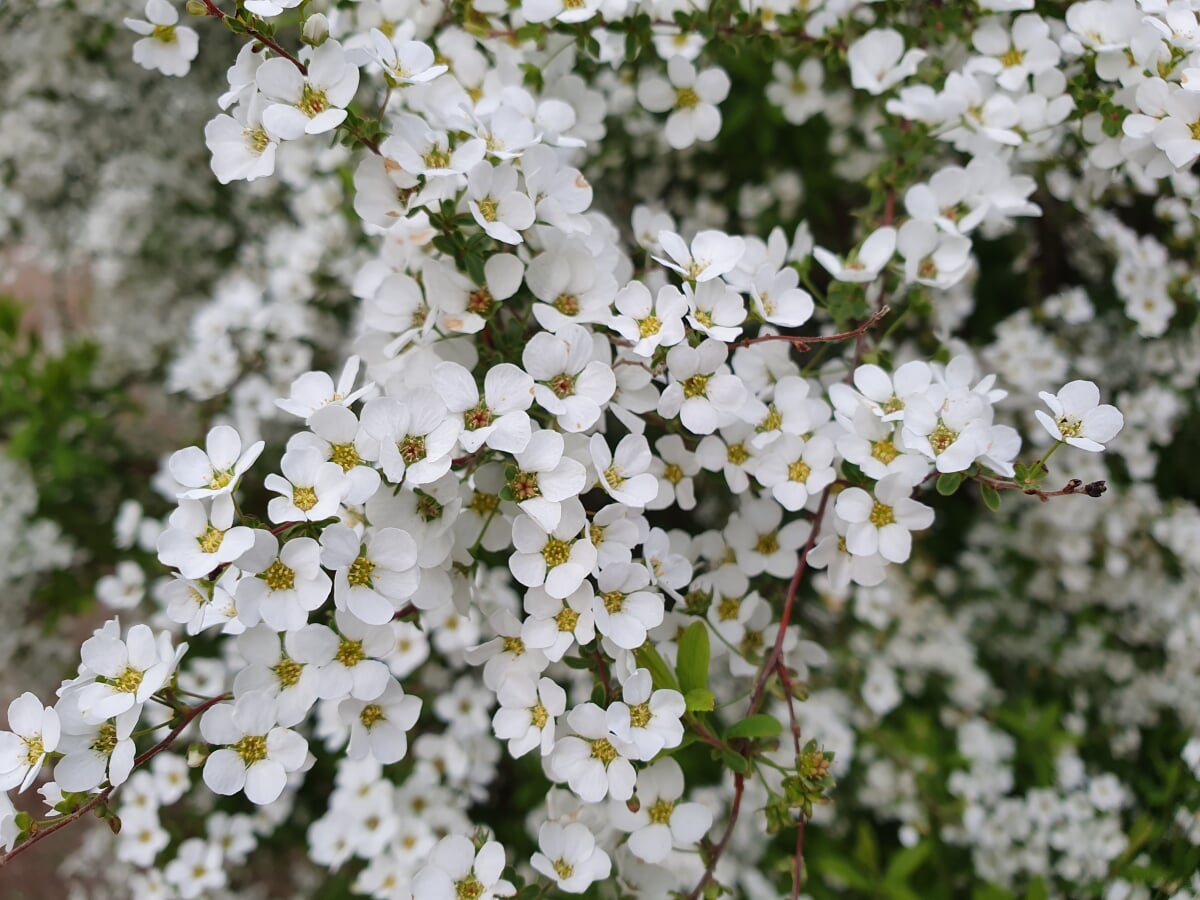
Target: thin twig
258,36
804,343
103,796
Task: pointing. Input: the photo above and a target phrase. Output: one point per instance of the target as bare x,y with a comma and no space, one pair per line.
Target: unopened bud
196,755
316,30
196,8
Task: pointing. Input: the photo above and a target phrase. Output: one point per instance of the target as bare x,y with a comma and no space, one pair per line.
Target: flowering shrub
566,519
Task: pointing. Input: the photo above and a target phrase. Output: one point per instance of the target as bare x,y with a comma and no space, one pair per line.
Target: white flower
257,753
455,870
289,582
561,10
500,419
289,673
167,46
199,539
307,104
866,263
93,751
661,822
241,147
527,713
649,323
646,718
883,523
335,434
133,669
314,390
545,478
798,92
879,61
778,299
312,488
410,62
196,870
355,668
692,98
559,558
415,436
624,609
675,467
711,255
34,732
372,577
594,764
379,728
796,470
568,856
760,544
495,203
1080,418
931,256
554,625
702,392
269,8
624,475
216,469
569,381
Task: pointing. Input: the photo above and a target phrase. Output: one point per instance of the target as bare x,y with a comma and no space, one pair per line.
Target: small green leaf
991,496
949,482
693,659
660,673
756,726
735,761
699,700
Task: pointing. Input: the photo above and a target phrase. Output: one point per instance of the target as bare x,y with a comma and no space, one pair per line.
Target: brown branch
103,796
804,343
258,36
714,853
1074,487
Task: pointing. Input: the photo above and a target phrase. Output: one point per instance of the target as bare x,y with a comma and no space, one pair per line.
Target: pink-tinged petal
224,772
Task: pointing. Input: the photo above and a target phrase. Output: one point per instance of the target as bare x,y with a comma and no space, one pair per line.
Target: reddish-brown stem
785,617
714,854
103,796
805,342
1074,487
602,671
260,37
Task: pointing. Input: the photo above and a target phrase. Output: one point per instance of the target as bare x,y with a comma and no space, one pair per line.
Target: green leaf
866,849
693,659
756,726
991,496
842,871
699,700
735,761
660,674
949,482
907,861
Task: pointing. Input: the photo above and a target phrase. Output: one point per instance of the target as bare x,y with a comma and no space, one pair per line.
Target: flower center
884,451
345,455
483,504
360,571
478,417
538,715
210,541
164,33
639,716
660,811
129,681
686,98
106,739
704,317
728,608
514,645
487,209
279,577
252,748
350,653
649,325
567,304
603,750
304,498
287,672
524,486
34,749
696,386
895,404
562,868
799,471
556,552
480,302
673,473
257,139
436,158
941,438
1013,57
428,507
613,601
567,619
1069,426
220,479
468,888
371,715
313,101
773,421
767,544
412,448
881,514
737,454
562,384
613,476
